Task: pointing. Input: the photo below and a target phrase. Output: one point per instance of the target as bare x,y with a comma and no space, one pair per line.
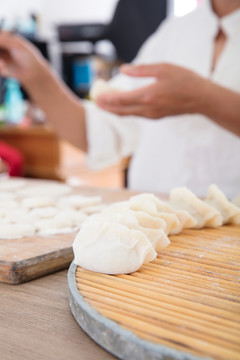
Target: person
194,97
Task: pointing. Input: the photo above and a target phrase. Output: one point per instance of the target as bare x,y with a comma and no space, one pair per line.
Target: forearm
221,105
62,108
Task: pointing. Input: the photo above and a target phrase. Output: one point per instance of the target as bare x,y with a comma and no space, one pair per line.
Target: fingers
153,70
3,69
123,110
126,98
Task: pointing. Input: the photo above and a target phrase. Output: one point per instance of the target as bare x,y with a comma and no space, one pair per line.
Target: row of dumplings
128,234
42,210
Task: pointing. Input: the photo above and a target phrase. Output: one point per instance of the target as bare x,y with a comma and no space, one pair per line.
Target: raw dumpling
148,203
157,236
204,214
236,200
216,198
144,219
185,219
111,248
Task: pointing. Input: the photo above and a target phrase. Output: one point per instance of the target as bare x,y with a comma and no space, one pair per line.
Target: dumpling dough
144,219
157,237
64,222
150,208
78,201
111,248
5,196
11,184
44,212
99,87
216,198
38,202
204,214
155,204
236,200
13,231
53,189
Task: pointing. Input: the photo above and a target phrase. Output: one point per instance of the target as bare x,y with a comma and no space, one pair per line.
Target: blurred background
83,40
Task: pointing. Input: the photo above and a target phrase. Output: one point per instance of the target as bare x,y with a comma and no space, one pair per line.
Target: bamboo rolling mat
186,300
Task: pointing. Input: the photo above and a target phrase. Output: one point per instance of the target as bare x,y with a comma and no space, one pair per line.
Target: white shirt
185,150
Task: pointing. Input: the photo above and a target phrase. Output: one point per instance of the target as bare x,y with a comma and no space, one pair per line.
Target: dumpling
144,219
204,214
185,219
148,203
111,248
157,237
216,198
236,200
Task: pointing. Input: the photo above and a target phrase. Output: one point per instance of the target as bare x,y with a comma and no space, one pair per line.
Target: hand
19,58
174,92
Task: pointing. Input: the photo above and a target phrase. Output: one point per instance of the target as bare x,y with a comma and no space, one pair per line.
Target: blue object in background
83,74
13,102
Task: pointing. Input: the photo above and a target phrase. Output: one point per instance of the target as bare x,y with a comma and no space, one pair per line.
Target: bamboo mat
187,299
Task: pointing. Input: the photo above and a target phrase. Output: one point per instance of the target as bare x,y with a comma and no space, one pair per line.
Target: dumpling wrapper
185,219
44,212
204,214
78,201
14,231
148,204
64,222
52,189
144,219
11,184
111,248
170,221
157,237
100,86
230,212
38,201
7,195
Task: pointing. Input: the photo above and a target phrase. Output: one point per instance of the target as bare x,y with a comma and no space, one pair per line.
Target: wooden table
36,323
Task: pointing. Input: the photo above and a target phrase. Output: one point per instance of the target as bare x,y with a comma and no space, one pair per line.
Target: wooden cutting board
183,305
27,258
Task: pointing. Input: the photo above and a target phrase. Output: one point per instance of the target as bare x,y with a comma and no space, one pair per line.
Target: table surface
36,323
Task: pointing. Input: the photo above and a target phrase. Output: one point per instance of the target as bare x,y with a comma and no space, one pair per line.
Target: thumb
3,69
152,70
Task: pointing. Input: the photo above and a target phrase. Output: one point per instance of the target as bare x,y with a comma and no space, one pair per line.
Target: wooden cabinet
40,147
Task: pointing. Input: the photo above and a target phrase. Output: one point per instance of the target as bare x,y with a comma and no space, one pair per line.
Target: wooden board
28,258
183,305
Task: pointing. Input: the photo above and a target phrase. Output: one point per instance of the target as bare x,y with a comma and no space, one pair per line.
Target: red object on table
13,158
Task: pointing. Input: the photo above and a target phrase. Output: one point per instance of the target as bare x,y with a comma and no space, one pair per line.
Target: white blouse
185,150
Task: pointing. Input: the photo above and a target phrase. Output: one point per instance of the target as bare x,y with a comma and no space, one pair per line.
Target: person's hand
175,91
19,58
